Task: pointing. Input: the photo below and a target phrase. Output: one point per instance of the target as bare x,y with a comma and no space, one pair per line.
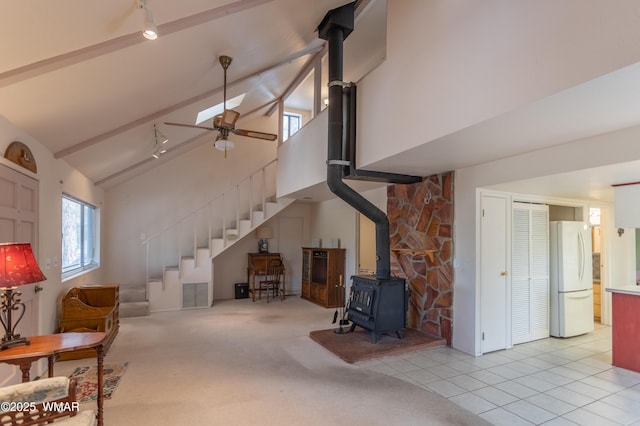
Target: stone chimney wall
421,226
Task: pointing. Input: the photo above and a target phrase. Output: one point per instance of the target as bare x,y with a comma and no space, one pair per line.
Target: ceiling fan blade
254,134
193,126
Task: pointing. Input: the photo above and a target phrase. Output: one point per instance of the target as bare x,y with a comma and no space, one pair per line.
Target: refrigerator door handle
581,254
575,296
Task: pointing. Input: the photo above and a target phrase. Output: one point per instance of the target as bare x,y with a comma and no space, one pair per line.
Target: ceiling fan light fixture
224,145
225,122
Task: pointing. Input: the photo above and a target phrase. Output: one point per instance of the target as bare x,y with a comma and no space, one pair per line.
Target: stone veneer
421,218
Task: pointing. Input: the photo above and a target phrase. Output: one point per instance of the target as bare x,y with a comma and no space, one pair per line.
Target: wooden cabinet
321,271
89,309
625,340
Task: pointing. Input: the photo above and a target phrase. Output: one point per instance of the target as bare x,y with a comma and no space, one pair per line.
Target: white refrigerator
571,284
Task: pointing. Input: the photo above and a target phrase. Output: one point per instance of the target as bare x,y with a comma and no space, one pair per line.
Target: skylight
211,112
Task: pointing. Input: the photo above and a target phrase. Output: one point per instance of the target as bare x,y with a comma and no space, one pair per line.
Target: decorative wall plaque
19,153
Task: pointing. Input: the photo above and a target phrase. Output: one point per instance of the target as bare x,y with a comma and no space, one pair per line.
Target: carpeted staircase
133,300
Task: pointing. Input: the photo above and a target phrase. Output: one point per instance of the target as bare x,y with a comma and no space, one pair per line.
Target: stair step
187,262
132,295
171,272
272,208
133,309
244,227
257,217
231,234
217,246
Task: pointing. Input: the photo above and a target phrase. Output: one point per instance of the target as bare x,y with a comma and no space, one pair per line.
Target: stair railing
164,250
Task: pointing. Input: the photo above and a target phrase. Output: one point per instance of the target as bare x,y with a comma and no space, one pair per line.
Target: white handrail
161,246
208,204
237,205
251,199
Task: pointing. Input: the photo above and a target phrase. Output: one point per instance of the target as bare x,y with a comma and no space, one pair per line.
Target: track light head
160,140
150,30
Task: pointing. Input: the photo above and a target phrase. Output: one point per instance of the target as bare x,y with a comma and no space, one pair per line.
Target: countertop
633,290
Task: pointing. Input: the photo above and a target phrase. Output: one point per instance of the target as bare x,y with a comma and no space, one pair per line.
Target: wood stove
377,305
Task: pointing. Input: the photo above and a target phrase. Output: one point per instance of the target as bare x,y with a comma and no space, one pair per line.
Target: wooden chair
272,281
49,400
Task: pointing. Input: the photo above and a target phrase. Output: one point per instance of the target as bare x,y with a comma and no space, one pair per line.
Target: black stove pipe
335,27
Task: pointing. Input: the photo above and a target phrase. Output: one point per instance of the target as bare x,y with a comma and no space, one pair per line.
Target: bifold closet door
530,272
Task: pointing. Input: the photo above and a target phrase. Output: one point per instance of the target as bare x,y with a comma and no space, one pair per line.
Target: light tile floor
551,381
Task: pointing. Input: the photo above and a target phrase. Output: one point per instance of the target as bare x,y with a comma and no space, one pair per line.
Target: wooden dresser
90,308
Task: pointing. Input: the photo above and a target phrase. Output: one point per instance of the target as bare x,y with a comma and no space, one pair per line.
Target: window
79,236
291,123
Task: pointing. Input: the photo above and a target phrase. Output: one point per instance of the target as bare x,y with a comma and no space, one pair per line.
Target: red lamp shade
18,266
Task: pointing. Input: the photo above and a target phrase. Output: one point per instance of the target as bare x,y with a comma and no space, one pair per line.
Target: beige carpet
244,363
356,346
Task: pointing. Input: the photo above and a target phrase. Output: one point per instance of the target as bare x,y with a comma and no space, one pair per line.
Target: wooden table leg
99,350
253,287
50,362
25,367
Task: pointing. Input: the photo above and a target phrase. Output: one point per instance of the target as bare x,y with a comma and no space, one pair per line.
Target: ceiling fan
225,123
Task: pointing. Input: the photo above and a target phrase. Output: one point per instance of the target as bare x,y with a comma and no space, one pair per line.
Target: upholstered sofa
50,400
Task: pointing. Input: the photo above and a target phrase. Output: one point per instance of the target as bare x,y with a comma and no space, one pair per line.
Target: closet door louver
530,273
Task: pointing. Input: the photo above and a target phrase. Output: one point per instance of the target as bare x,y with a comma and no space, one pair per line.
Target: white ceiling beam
35,69
359,7
306,69
153,116
172,149
150,159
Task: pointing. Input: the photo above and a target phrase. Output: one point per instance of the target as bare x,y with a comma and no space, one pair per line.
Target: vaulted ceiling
80,78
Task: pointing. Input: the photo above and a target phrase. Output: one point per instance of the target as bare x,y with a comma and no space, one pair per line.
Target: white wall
230,267
454,63
336,219
149,203
621,146
449,66
303,157
54,177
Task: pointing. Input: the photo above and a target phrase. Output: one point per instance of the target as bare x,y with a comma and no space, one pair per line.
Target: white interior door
493,273
366,245
290,231
19,223
530,272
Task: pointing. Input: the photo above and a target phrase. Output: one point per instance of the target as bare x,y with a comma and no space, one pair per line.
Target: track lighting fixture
159,144
149,31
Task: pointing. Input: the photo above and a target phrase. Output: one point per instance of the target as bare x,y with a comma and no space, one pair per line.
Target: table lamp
264,233
18,267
